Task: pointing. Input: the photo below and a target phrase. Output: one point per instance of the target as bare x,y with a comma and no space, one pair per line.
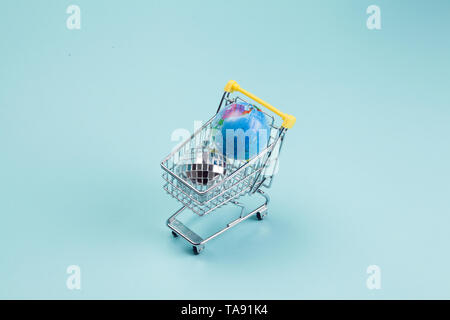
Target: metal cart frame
242,177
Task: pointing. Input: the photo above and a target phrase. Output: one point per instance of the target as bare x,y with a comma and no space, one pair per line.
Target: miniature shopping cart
215,180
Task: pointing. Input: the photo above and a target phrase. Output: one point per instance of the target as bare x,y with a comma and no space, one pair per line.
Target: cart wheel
198,249
174,234
260,216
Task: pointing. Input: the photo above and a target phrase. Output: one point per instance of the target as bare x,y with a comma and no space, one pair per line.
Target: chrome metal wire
240,178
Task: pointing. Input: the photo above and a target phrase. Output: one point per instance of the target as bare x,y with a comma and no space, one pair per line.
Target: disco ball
202,166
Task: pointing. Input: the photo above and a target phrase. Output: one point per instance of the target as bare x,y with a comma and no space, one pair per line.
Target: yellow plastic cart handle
288,120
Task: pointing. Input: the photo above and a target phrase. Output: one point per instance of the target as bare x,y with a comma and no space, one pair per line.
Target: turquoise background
87,115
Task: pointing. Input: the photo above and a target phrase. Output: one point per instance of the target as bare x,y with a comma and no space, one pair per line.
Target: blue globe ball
241,131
